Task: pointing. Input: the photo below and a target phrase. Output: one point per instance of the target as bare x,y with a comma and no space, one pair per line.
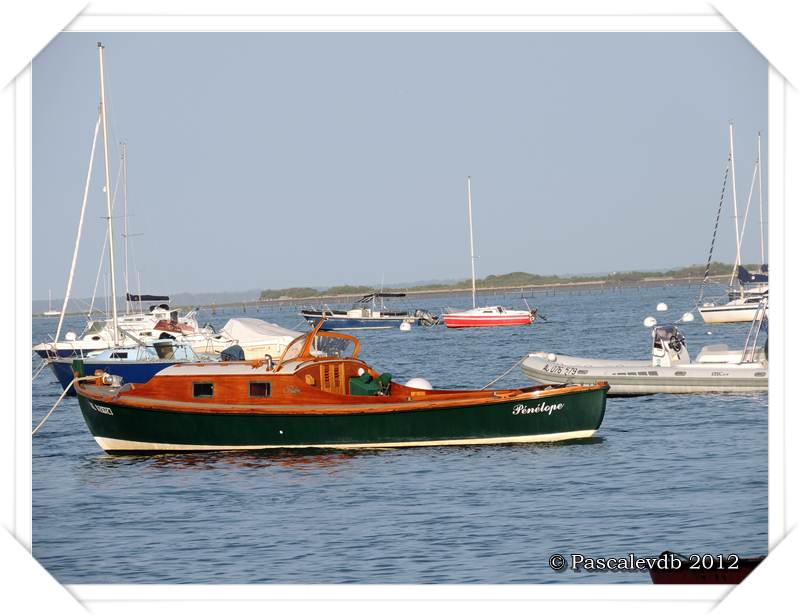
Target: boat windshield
333,346
94,327
322,344
294,348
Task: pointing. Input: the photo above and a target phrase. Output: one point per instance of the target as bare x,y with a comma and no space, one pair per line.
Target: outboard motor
425,317
669,346
232,353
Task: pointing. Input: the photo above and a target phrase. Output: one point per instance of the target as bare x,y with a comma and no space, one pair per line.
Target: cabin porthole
203,390
260,389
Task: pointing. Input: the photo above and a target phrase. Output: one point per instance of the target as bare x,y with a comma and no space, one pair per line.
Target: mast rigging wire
714,235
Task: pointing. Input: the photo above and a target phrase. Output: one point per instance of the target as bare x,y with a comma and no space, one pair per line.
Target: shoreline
412,292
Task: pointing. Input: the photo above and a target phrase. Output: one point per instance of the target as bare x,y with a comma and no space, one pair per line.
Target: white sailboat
123,332
50,312
120,330
743,299
486,316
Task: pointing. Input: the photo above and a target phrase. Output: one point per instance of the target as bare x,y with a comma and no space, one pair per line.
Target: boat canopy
745,277
146,298
248,330
371,296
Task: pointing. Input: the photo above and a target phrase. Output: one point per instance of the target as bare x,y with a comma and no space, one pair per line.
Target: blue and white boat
138,362
134,364
367,313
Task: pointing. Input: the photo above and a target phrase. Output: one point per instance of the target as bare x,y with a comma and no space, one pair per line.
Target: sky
272,160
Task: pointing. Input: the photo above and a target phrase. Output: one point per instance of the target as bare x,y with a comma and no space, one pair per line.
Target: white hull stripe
113,444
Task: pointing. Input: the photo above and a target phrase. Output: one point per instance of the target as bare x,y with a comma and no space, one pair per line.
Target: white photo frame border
119,19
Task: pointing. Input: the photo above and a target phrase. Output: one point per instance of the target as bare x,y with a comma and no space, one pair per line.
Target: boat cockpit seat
365,385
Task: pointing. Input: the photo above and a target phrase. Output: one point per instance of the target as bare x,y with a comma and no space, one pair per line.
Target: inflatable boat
670,369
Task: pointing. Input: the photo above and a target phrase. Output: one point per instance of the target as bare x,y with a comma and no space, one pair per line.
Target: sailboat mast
735,205
100,49
760,200
125,233
471,240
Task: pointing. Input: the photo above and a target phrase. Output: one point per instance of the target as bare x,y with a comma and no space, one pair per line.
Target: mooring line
41,367
60,398
517,363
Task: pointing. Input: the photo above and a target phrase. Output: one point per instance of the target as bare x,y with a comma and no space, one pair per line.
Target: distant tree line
514,279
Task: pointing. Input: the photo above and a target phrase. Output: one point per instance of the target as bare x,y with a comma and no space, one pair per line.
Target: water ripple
682,473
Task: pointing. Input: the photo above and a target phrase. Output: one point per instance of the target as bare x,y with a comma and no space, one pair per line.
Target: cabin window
260,389
119,355
203,390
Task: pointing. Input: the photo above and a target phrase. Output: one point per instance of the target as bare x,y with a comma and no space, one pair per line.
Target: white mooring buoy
405,326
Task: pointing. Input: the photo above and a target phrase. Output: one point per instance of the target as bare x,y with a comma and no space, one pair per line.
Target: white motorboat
715,369
135,329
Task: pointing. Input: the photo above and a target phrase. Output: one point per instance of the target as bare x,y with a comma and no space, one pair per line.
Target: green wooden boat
319,394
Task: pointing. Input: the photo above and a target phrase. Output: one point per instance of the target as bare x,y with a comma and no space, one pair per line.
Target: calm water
685,473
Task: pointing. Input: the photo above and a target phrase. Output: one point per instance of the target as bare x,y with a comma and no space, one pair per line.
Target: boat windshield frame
94,327
309,350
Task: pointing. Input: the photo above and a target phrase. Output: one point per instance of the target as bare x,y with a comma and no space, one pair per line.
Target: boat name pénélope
542,407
